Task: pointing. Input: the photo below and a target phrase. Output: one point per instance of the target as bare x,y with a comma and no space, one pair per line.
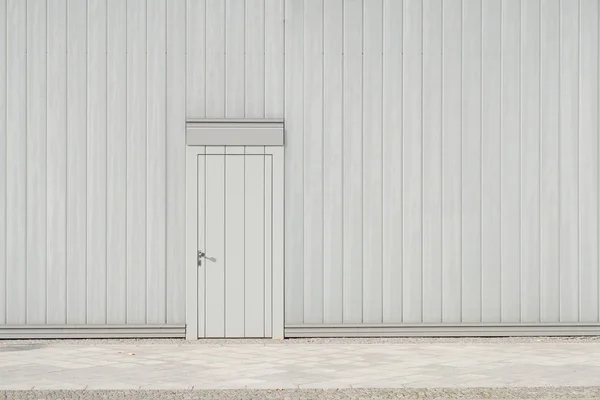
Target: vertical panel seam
362,162
224,58
462,34
127,258
164,220
560,22
322,162
442,36
381,160
245,60
204,323
540,164
205,57
66,162
500,160
342,148
5,94
481,161
422,161
26,159
146,167
46,180
106,293
264,62
520,158
579,159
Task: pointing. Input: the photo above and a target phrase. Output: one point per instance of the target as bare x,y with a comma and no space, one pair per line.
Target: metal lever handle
200,255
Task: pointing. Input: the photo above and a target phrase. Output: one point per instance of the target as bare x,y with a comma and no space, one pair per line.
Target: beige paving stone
291,365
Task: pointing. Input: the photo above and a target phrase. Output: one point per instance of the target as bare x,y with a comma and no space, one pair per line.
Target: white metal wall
93,100
441,155
441,161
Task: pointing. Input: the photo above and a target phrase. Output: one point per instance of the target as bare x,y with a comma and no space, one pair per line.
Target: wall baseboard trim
441,330
90,331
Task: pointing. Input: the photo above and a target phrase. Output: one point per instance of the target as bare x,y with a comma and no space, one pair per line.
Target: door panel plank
254,265
268,262
234,245
200,243
215,246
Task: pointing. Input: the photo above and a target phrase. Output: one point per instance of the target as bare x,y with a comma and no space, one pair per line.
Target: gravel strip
183,342
340,394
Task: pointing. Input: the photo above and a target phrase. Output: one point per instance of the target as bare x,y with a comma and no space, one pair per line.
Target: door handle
200,255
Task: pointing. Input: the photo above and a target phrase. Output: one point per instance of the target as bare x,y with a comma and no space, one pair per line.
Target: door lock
200,255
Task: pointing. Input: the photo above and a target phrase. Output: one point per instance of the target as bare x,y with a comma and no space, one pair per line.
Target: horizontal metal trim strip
232,121
234,136
442,330
91,331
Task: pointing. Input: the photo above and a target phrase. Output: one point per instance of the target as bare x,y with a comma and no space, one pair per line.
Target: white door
234,243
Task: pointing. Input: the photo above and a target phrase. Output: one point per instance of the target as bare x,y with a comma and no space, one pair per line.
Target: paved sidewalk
288,365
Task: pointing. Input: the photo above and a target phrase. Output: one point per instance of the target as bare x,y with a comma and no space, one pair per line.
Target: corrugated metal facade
93,104
442,161
441,155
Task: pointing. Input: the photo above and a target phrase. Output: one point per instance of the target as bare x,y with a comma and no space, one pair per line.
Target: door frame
278,282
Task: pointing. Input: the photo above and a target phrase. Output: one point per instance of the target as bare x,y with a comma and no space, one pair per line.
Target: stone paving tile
305,365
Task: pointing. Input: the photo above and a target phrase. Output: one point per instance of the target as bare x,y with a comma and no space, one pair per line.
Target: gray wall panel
36,161
432,160
16,162
96,253
116,172
156,155
588,161
76,162
441,156
393,45
313,161
332,161
93,103
550,167
175,143
56,168
3,9
459,162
